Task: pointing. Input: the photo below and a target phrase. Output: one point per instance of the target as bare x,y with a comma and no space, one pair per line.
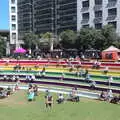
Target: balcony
112,4
84,9
97,19
84,21
97,7
111,17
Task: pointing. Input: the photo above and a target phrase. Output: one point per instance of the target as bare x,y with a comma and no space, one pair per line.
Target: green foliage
2,46
98,39
68,38
86,38
109,35
49,39
31,40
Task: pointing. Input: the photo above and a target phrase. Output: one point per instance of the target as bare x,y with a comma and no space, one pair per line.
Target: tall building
25,17
97,13
13,23
40,16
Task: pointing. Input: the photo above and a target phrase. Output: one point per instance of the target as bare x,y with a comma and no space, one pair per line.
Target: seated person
88,77
5,77
103,96
106,70
44,69
94,65
98,65
82,72
43,74
110,80
71,69
14,78
92,84
32,77
73,96
28,78
3,93
86,73
115,100
9,91
62,76
77,74
60,99
109,95
17,78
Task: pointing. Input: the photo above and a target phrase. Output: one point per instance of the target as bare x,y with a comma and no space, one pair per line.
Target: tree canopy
2,46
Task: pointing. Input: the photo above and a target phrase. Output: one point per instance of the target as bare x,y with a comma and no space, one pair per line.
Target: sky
4,14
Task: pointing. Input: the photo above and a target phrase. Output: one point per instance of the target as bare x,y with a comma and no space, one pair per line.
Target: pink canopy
20,50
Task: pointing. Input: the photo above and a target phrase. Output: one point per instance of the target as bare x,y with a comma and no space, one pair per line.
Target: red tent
111,53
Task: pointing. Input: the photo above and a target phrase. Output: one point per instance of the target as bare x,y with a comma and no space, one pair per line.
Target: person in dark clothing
60,99
49,101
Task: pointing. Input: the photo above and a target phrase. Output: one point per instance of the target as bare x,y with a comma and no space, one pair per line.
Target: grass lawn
16,107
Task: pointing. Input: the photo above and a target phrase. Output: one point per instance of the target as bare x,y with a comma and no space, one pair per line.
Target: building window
14,36
98,2
13,9
112,0
112,12
13,18
85,26
98,25
85,4
114,24
13,1
85,16
98,14
13,26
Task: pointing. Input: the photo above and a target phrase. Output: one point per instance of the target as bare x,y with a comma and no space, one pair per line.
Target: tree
68,38
117,42
86,38
2,46
109,35
98,39
31,41
49,39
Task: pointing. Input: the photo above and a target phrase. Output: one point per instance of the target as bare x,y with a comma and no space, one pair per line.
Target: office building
40,16
97,13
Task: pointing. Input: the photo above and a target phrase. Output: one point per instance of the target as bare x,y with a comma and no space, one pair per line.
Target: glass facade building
40,16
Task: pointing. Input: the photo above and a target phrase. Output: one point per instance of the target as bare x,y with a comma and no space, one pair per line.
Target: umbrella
20,50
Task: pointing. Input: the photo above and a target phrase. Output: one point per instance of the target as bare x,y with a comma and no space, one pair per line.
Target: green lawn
16,107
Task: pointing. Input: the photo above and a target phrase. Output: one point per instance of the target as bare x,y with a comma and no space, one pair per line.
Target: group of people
73,96
33,92
13,78
96,65
108,96
5,92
